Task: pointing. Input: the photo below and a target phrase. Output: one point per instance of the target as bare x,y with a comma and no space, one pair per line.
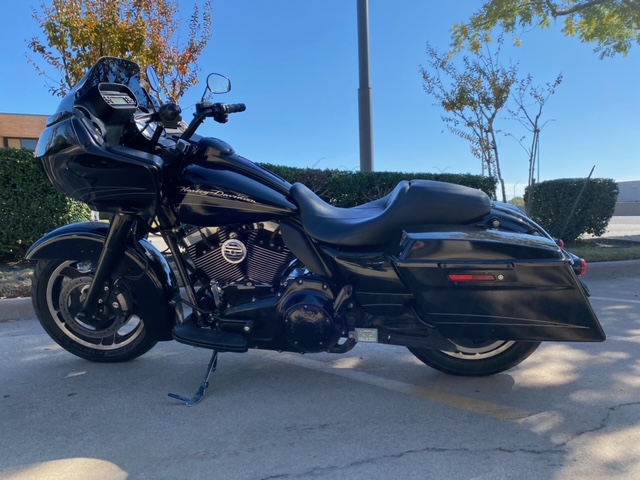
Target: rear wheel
117,334
477,358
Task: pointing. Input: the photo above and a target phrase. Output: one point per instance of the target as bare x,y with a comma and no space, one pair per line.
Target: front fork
111,254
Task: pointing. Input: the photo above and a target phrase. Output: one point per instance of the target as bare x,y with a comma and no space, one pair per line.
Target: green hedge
29,205
348,189
550,203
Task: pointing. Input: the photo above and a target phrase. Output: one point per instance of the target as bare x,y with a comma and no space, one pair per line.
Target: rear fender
152,282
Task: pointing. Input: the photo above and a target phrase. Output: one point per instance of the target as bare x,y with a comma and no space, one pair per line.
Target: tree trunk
494,146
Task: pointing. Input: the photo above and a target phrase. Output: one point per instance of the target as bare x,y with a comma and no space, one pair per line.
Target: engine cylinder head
248,253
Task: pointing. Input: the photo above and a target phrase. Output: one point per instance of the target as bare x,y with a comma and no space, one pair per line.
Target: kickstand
190,402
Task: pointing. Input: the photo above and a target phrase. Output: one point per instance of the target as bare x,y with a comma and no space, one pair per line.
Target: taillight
472,277
583,262
560,243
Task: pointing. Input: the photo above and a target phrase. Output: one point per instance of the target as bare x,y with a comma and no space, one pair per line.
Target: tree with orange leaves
78,32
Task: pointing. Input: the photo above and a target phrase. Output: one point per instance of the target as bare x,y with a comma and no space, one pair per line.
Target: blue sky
294,63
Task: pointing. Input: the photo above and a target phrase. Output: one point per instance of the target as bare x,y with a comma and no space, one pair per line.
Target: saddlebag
494,285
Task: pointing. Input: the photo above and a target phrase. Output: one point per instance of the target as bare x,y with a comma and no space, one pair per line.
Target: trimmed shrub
344,188
550,204
29,205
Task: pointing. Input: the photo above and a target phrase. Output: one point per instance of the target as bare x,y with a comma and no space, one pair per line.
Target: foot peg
213,339
190,402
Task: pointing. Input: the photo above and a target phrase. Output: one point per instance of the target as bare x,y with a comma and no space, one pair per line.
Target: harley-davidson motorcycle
470,287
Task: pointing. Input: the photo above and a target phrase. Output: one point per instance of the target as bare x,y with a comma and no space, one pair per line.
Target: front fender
152,282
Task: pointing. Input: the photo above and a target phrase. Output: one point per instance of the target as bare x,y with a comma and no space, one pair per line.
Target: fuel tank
219,187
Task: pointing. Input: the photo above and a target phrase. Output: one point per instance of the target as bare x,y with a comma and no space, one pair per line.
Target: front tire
57,291
477,358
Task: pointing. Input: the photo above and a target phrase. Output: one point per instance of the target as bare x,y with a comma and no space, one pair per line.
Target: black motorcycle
470,287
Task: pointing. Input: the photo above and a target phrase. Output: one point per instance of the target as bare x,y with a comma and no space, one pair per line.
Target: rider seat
414,202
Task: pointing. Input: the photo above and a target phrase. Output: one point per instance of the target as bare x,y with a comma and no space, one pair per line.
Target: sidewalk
624,228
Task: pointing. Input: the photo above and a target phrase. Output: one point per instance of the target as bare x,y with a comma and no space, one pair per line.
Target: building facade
19,130
628,199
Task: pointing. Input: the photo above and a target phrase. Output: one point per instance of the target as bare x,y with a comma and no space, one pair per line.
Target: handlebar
168,116
218,111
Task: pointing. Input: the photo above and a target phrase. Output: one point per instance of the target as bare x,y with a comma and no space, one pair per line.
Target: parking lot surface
570,411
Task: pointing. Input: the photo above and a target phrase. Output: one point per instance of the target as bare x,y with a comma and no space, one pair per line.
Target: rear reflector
472,277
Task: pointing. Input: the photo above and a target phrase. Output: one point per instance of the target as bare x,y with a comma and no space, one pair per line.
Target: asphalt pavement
570,411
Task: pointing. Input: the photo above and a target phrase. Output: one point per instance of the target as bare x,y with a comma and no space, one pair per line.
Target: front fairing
110,70
81,149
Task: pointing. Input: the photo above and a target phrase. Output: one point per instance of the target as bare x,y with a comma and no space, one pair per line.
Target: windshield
110,70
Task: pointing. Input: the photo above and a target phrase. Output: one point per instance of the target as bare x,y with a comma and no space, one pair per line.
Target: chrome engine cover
243,255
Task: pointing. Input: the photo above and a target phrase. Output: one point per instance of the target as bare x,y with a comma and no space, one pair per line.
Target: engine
244,256
249,262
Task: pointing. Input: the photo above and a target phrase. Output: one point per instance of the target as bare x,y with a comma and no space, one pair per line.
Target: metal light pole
364,90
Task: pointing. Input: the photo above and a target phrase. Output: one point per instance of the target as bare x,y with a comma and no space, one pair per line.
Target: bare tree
529,101
478,91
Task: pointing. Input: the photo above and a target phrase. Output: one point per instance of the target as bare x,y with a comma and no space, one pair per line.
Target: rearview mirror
217,83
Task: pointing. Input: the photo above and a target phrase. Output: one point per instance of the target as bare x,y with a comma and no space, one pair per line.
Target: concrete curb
624,268
14,309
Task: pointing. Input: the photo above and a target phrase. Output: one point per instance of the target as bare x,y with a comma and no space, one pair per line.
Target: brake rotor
106,320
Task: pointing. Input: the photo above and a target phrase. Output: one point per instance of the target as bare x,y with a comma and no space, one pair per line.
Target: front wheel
116,334
474,358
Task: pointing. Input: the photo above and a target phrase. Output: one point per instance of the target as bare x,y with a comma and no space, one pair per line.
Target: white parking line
480,407
608,299
623,339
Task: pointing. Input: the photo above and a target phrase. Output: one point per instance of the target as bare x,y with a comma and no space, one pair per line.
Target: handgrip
234,107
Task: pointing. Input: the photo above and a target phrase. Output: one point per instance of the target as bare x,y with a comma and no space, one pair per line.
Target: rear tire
57,291
477,359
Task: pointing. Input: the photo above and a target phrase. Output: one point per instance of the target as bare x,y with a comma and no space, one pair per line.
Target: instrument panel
118,99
